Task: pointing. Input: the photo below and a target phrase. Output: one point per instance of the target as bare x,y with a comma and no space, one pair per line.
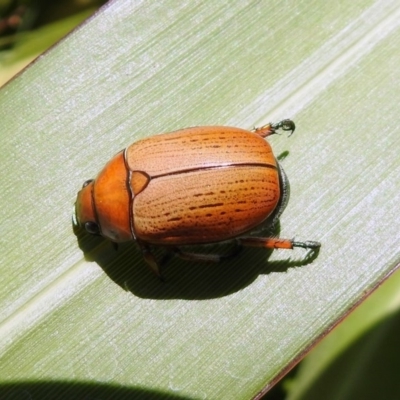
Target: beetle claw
286,125
308,244
271,129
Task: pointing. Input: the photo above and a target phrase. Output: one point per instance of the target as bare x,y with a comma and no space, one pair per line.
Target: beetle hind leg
277,243
215,258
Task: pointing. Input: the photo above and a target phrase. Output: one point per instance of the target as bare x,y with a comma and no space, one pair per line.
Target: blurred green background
29,27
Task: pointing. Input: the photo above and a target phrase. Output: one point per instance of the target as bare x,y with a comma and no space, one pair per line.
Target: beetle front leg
277,243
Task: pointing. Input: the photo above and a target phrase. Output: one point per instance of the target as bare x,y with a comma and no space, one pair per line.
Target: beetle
193,186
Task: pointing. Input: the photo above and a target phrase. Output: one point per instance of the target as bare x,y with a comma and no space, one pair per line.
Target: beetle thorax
106,201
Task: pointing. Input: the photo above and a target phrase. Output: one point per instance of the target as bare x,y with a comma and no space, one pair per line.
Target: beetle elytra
197,185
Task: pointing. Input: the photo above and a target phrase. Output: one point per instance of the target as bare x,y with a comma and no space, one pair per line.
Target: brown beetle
193,186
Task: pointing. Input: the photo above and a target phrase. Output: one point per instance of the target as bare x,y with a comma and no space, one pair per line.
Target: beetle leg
150,260
277,243
270,129
209,257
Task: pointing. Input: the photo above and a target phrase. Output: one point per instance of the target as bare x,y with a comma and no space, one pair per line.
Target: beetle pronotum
197,185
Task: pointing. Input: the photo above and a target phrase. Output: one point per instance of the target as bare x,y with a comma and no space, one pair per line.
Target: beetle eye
92,228
87,183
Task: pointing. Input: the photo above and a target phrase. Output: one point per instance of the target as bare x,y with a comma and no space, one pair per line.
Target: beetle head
103,205
84,214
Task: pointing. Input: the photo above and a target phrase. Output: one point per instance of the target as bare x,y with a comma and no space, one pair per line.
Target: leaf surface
76,315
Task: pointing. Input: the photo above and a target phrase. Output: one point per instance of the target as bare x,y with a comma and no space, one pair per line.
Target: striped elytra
205,184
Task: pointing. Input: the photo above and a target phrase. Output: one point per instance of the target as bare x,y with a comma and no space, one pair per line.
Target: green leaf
78,317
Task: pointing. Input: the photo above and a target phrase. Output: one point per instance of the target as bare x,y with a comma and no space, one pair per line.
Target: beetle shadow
185,279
